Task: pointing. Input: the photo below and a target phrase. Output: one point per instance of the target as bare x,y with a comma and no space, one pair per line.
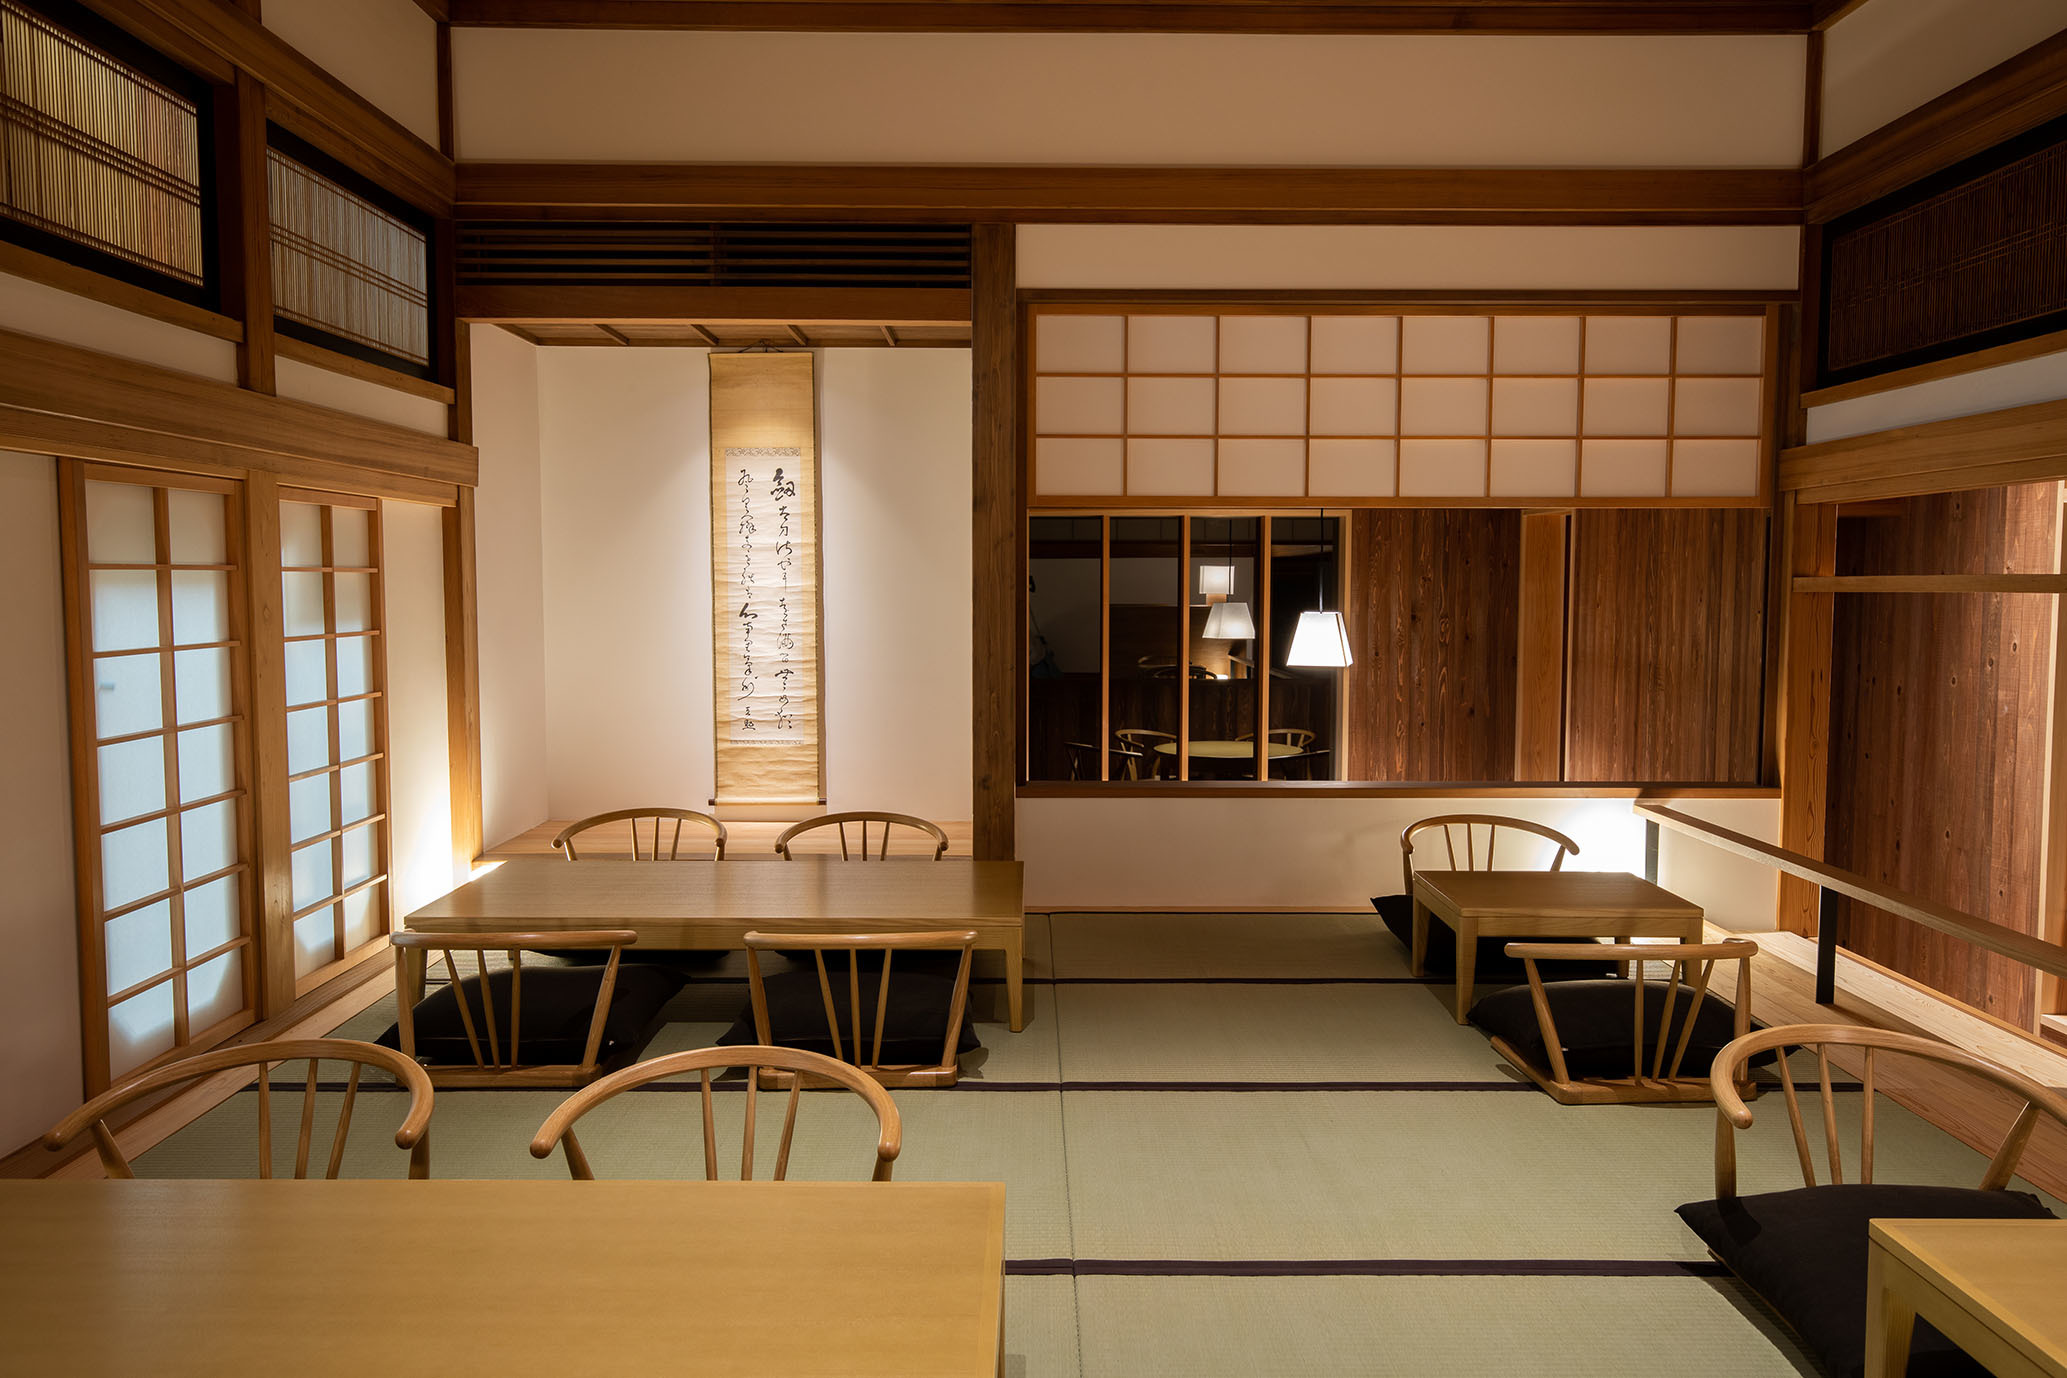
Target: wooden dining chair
1290,736
1805,1250
558,1128
1083,761
1461,836
862,818
659,818
414,1134
550,1026
917,1029
1598,1042
1142,742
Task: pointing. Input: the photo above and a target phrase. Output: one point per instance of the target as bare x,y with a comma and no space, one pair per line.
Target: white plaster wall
1322,854
2043,379
40,1068
895,434
342,392
1404,257
419,747
1443,100
386,50
1886,58
510,584
51,314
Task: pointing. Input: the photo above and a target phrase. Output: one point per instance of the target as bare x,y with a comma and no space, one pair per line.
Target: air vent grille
646,254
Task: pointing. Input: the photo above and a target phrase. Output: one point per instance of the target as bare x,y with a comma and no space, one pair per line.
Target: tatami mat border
1367,1267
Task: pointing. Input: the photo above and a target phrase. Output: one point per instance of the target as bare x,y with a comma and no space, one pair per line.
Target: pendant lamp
1321,640
1229,622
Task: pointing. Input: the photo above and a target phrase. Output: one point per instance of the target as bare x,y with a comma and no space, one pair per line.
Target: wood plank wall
1667,645
1435,608
1938,733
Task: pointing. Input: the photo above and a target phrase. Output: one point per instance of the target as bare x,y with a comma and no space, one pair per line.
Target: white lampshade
1320,640
1229,622
1216,581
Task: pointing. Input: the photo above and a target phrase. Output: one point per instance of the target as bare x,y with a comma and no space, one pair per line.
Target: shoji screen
162,763
330,571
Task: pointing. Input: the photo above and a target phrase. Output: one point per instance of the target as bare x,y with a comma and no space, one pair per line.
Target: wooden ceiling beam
1229,195
641,305
1154,16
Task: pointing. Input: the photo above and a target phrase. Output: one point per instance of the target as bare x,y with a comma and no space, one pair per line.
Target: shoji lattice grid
336,727
163,646
1519,408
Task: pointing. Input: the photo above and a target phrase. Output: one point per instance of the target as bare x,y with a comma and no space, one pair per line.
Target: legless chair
559,1126
1805,1250
1289,736
864,817
575,1021
414,1135
919,1025
1579,1042
565,841
1142,741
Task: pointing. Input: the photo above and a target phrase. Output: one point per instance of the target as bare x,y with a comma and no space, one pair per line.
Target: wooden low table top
516,1277
1229,751
1550,895
808,892
2005,1273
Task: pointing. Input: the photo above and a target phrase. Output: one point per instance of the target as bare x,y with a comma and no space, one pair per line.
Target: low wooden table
546,1278
688,904
1543,904
1993,1287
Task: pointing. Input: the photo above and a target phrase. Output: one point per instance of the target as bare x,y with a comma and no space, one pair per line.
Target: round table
1229,751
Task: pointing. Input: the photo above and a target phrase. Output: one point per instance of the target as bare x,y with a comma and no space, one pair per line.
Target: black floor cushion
1494,965
1595,1026
553,1025
913,1030
1805,1250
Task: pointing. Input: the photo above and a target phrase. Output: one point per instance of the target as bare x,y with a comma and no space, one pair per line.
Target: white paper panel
215,990
125,609
353,594
140,1028
1445,344
1622,469
1176,467
1090,467
1080,344
308,807
315,940
351,537
1715,468
207,766
302,604
1263,406
357,846
121,525
1262,344
1536,344
355,729
1442,468
308,671
1443,406
1350,468
133,863
201,685
355,792
1354,406
1625,406
1170,406
354,665
1720,344
308,740
362,917
1536,406
301,534
1172,344
211,913
1079,406
200,606
126,696
1628,344
312,874
208,838
132,779
1534,468
139,945
1716,406
195,521
1262,468
1356,344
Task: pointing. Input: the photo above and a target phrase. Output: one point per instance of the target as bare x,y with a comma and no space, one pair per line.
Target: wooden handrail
2020,947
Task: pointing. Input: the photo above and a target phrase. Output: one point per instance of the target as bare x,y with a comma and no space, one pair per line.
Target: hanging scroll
765,580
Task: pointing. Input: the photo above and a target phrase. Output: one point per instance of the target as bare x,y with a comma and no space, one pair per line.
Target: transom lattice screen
95,152
1397,409
337,819
161,642
345,267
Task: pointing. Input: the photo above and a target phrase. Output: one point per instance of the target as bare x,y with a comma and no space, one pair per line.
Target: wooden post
1811,535
2052,899
271,869
998,601
245,227
1540,672
463,683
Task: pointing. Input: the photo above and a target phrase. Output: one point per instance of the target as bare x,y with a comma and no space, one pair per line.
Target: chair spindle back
1452,823
861,818
659,832
485,1040
849,1048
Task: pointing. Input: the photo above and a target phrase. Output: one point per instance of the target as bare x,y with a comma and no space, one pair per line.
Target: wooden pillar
996,519
244,224
2052,898
273,900
463,683
1539,713
1811,536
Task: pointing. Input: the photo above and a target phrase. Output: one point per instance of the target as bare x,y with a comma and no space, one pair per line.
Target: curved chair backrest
864,817
414,1135
1299,737
1821,1038
559,1126
866,1054
659,817
496,1041
1142,741
1493,823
